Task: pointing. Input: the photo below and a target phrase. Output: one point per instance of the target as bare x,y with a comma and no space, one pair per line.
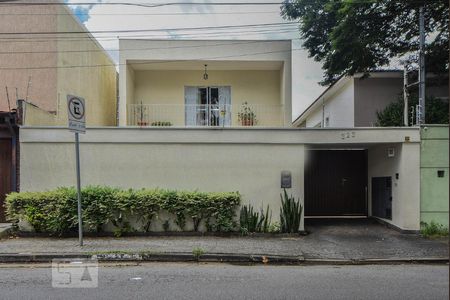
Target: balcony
205,115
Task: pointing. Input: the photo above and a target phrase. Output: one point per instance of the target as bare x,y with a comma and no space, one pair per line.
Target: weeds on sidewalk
433,230
197,252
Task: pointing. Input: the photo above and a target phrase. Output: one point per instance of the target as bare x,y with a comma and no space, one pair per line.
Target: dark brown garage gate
8,157
335,183
5,171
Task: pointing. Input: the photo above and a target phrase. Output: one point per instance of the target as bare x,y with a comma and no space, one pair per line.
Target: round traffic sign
76,108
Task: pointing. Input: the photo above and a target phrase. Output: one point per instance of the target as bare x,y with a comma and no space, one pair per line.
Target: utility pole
421,107
405,97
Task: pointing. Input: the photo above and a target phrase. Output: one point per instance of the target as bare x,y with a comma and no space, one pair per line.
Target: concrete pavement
339,241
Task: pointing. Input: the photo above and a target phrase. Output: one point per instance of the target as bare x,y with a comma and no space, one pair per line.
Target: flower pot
248,122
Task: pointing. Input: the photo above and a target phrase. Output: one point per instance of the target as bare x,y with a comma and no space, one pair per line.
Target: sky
176,17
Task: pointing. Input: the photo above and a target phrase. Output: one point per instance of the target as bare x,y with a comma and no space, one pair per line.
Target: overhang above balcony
200,65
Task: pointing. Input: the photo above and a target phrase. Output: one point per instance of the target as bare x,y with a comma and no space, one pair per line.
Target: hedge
55,212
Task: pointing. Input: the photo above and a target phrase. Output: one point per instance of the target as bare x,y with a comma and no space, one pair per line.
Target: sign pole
77,124
80,221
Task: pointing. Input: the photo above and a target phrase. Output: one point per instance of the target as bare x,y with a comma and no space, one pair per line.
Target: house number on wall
348,135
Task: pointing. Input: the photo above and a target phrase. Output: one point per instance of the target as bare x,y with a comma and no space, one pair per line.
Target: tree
353,36
392,115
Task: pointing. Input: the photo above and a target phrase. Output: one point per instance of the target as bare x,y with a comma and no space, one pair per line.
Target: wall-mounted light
205,75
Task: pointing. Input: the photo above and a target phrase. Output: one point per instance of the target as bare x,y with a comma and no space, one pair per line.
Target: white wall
107,158
406,189
338,107
212,159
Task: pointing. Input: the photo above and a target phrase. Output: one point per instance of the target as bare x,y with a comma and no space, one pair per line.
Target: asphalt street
223,281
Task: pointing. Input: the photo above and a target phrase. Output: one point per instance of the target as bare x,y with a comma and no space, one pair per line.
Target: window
208,106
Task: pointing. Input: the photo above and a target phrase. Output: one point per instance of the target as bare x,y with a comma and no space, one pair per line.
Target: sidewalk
346,242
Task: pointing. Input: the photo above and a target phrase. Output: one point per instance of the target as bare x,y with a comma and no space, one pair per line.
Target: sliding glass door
208,106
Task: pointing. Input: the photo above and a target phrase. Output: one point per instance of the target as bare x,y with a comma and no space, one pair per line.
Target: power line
131,49
142,14
146,63
148,30
153,5
146,5
178,36
142,36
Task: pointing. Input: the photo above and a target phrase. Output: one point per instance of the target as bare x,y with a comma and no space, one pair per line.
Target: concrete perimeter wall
214,159
434,190
205,160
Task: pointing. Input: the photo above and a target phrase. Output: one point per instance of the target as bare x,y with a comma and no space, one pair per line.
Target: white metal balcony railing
213,115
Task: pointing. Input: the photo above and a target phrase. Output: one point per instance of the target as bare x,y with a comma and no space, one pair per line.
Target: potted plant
140,112
246,116
161,123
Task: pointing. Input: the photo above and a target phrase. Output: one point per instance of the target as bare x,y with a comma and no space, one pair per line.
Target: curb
379,261
213,258
5,232
207,257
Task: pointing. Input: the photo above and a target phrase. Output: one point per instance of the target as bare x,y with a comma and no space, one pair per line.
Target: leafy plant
197,252
267,219
252,221
125,228
348,37
166,225
290,213
243,230
161,123
433,229
392,115
249,219
55,212
140,114
274,227
246,116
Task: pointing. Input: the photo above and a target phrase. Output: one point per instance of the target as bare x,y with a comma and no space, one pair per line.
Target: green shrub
99,206
290,214
55,212
433,229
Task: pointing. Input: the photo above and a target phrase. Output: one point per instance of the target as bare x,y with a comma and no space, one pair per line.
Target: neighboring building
205,83
43,68
353,101
434,184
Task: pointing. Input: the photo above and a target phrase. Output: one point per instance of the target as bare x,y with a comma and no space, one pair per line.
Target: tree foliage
392,116
352,36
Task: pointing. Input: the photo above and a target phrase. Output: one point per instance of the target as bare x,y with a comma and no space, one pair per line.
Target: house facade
216,116
41,68
205,83
367,172
353,101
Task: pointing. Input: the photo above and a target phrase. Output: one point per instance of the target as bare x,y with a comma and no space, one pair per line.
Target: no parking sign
76,112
